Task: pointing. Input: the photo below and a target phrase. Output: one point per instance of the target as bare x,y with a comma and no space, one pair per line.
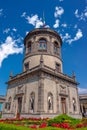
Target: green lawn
62,122
4,126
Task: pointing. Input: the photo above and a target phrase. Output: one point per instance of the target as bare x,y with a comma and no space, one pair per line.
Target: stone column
23,105
78,101
41,93
59,101
57,97
69,100
81,107
26,47
24,99
69,97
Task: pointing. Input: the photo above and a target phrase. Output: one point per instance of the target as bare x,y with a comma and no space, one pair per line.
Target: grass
4,126
62,122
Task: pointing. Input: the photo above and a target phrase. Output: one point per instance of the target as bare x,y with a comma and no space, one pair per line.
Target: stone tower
42,89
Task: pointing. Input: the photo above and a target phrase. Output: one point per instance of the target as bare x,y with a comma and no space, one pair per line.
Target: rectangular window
29,48
26,66
58,67
44,46
1,105
41,46
55,49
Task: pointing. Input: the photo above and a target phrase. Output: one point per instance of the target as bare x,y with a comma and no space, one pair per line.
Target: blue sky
68,18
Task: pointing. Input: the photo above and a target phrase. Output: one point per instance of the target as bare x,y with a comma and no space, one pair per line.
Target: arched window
56,46
50,101
8,104
42,44
32,101
74,104
29,47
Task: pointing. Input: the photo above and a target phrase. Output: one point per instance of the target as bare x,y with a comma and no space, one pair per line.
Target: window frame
56,47
57,67
29,46
25,66
42,44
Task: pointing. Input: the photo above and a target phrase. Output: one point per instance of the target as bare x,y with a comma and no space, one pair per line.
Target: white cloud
39,23
56,25
24,14
64,25
60,0
58,11
9,47
82,15
76,13
65,37
75,26
82,90
26,32
14,29
47,26
1,12
6,30
79,35
33,20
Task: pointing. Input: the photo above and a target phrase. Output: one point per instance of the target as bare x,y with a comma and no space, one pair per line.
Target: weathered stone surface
42,90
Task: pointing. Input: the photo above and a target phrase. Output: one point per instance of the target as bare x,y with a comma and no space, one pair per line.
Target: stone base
39,115
46,115
77,116
8,115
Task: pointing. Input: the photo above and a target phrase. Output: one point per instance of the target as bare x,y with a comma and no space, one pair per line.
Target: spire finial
44,20
11,75
73,75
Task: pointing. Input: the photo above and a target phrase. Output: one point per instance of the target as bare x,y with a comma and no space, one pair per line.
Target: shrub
79,125
63,119
84,120
43,125
33,126
0,115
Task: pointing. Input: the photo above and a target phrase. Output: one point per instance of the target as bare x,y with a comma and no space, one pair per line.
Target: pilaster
41,93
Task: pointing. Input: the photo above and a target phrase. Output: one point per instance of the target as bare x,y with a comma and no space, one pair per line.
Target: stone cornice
59,75
46,69
83,96
42,31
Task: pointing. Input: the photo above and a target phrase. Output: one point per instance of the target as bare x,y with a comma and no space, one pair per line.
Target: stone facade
83,104
42,89
2,100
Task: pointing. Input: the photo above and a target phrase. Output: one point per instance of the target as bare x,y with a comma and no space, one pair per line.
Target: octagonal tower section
46,43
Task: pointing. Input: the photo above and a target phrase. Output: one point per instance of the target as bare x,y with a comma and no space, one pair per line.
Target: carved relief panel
63,89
